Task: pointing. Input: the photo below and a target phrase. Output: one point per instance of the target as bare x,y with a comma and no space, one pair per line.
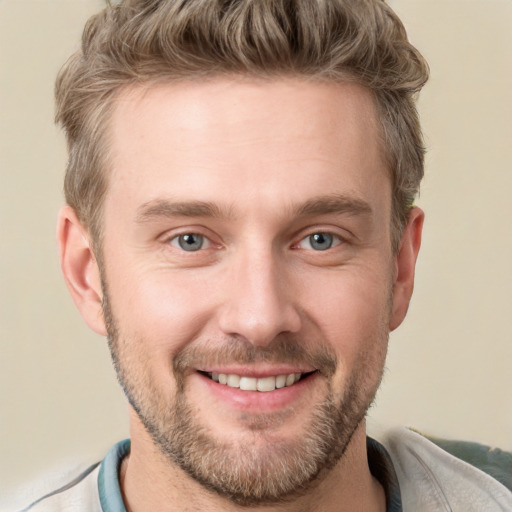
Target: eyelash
335,240
332,239
175,241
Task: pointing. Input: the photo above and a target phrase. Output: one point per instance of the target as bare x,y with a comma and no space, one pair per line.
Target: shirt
97,489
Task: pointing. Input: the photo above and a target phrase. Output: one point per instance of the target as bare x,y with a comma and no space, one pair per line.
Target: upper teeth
254,384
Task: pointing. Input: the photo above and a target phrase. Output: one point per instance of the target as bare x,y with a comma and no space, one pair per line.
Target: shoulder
493,461
80,494
433,479
95,489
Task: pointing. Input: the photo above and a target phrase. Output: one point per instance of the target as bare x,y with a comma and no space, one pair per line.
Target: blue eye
319,241
190,242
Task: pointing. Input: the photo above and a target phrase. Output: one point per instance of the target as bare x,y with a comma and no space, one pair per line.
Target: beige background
449,370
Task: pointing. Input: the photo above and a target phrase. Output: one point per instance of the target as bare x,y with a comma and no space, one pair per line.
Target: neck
150,482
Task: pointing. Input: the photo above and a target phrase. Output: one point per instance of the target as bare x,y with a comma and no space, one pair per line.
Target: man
240,224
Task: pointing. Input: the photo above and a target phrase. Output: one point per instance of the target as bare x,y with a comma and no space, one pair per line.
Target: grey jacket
433,480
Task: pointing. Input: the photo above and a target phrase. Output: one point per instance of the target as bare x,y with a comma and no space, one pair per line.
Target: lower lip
258,401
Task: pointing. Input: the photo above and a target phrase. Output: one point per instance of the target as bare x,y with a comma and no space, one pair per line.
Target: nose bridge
258,303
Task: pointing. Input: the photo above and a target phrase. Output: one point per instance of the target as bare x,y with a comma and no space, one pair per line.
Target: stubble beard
265,470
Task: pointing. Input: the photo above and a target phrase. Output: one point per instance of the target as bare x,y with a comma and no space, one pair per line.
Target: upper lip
260,371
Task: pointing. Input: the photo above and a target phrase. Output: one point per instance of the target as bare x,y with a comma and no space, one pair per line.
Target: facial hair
265,471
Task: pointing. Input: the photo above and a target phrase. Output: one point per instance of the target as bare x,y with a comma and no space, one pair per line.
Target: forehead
274,139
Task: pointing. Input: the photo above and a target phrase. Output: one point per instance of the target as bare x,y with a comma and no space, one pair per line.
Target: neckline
111,497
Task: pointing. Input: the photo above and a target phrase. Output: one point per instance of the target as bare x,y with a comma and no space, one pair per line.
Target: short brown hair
144,41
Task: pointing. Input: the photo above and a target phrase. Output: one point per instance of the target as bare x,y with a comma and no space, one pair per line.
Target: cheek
352,310
156,317
353,316
165,309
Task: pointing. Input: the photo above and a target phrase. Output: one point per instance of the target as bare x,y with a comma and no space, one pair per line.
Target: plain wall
449,367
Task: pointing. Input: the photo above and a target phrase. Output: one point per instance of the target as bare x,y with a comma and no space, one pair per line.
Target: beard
260,468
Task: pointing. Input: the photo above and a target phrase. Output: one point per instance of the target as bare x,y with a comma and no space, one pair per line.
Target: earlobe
80,269
405,264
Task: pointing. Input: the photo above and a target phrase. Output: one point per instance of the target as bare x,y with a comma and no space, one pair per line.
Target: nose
257,300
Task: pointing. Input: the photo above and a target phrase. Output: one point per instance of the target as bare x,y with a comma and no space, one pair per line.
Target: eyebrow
163,208
321,205
334,203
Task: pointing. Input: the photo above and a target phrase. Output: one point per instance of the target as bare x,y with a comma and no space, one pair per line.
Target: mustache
284,349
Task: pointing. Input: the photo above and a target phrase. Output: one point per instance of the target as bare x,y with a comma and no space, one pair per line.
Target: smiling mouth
262,384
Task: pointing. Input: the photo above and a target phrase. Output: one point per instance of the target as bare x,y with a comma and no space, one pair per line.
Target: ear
405,263
80,269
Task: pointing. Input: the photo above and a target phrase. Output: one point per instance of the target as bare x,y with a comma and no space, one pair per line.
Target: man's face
247,240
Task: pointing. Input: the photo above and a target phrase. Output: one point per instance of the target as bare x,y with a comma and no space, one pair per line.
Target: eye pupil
321,241
190,242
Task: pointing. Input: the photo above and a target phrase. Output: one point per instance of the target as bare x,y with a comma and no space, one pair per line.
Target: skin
267,157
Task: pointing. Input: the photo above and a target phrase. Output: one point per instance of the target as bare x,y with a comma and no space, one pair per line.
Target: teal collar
109,489
381,467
